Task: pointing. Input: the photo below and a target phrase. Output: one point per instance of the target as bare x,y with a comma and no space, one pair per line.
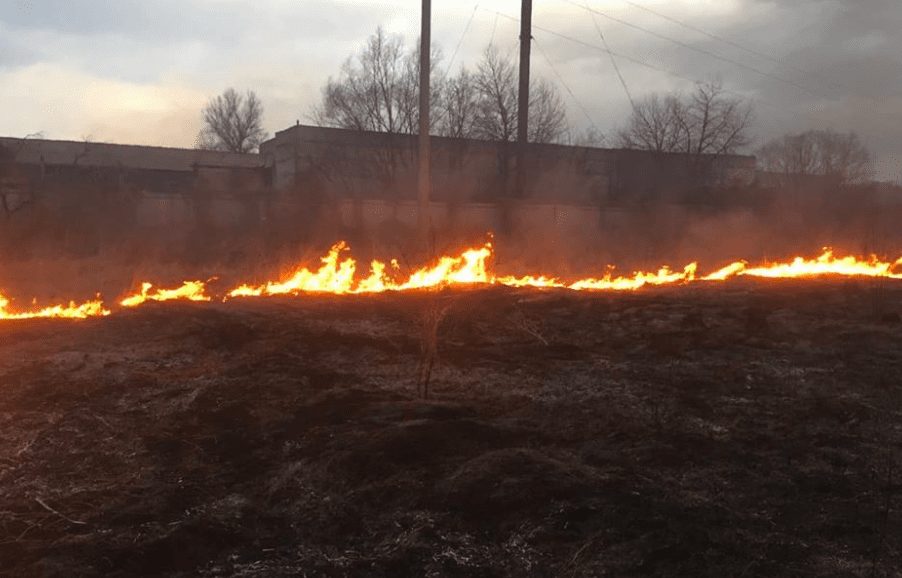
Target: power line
629,58
801,87
604,41
444,112
688,46
564,84
733,43
494,27
460,40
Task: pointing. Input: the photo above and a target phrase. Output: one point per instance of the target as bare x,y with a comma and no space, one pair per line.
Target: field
738,429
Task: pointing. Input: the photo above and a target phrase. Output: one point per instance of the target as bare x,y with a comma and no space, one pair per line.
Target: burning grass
338,275
710,429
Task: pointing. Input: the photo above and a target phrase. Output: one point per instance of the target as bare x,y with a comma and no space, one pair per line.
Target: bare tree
377,89
496,87
233,122
715,123
841,157
654,125
547,114
459,106
704,122
792,154
498,106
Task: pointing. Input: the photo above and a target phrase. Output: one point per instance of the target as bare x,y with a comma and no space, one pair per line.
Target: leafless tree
716,123
497,108
840,156
496,87
377,89
459,106
654,125
233,122
547,114
705,122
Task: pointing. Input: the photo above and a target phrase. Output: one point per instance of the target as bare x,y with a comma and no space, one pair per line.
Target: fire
664,276
531,281
190,290
826,264
333,276
725,273
338,274
469,268
70,311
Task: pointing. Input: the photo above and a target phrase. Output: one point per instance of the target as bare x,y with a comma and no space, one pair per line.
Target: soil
741,429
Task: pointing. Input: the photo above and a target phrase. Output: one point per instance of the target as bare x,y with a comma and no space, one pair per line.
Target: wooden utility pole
523,96
424,167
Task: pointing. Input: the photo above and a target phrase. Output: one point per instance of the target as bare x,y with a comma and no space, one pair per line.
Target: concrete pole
424,172
523,96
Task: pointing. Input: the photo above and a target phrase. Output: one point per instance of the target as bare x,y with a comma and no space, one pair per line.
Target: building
308,177
327,163
164,185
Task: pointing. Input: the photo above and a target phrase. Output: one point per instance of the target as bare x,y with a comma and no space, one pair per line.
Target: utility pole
424,167
523,96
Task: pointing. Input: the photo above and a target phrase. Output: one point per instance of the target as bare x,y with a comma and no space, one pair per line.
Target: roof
342,136
91,154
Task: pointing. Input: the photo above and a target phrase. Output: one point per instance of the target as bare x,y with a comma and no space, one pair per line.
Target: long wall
319,163
165,186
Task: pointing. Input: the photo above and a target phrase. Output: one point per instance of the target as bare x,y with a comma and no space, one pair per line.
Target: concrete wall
317,163
153,186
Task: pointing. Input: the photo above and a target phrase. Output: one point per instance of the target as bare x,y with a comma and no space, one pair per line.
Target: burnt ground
733,430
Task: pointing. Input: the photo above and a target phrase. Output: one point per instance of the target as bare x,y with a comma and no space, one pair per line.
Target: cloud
67,104
171,55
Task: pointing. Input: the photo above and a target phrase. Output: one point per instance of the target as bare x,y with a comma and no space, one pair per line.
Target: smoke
56,253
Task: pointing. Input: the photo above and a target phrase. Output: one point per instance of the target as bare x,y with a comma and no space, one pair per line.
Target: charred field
751,428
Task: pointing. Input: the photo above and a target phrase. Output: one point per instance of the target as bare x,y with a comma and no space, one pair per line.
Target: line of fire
435,329
582,211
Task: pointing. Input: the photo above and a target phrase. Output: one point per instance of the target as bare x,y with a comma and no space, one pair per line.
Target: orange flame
190,290
338,274
664,276
532,281
826,264
70,311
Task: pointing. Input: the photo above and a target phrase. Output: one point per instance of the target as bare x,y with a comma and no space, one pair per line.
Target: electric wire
461,40
560,78
604,41
733,43
633,59
708,53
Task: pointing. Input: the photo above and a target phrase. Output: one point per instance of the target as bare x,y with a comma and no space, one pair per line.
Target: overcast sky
139,71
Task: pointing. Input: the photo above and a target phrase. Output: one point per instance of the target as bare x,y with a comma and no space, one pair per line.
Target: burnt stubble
749,428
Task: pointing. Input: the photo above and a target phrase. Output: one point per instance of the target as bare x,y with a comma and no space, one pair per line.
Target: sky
140,71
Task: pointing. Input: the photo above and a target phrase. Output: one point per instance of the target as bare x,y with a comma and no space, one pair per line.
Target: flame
332,277
338,274
664,276
190,290
531,281
469,268
825,264
725,273
70,311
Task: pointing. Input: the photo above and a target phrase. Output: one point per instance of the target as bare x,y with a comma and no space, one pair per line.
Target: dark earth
740,429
